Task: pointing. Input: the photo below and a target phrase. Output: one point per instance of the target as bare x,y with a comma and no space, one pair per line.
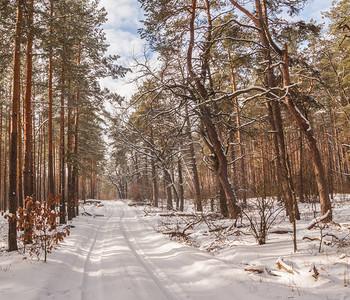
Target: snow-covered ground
115,252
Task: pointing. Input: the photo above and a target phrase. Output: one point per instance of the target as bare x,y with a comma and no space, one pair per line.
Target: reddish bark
28,174
16,94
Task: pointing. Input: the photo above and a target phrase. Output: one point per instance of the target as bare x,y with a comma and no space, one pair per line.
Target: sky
121,32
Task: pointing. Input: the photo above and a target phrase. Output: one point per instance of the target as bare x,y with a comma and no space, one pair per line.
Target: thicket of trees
51,130
240,103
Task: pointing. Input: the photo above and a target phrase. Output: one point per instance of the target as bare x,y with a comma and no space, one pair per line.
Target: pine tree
12,236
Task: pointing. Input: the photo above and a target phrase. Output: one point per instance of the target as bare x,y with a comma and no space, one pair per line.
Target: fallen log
218,229
315,272
176,214
311,239
317,220
254,270
176,233
282,265
281,231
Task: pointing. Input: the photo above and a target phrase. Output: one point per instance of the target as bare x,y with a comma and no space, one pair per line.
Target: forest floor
117,251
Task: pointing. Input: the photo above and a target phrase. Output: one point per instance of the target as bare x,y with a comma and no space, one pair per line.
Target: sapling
262,216
38,225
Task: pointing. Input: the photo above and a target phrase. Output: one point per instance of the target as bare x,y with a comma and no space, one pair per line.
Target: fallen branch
139,204
218,229
281,231
92,201
85,213
176,233
315,271
260,270
282,265
177,214
311,239
255,270
318,220
98,215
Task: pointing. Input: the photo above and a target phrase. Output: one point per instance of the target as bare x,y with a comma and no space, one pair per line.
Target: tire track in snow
88,262
176,292
70,257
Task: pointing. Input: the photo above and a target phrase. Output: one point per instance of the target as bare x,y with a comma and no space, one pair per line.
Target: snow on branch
317,220
282,265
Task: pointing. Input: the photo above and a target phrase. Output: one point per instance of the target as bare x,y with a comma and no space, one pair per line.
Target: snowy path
113,265
120,256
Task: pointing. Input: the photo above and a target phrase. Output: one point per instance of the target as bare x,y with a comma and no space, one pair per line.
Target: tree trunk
305,126
92,189
179,168
208,129
19,162
276,121
155,192
222,200
83,191
16,95
261,22
220,166
176,194
69,155
28,172
51,181
286,177
6,159
154,184
329,159
62,172
75,179
197,190
34,173
1,163
167,181
39,192
301,177
239,137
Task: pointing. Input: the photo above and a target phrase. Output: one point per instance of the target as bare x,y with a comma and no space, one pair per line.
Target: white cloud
122,86
314,8
122,13
121,34
124,43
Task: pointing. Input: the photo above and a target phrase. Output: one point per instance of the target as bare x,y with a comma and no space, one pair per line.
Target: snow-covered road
115,265
118,255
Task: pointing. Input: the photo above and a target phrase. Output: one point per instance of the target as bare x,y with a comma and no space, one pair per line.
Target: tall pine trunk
19,162
239,137
181,188
70,207
168,182
28,172
16,94
197,190
62,173
51,181
75,180
155,191
1,163
208,129
305,126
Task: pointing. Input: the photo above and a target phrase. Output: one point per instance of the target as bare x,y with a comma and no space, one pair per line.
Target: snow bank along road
118,255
